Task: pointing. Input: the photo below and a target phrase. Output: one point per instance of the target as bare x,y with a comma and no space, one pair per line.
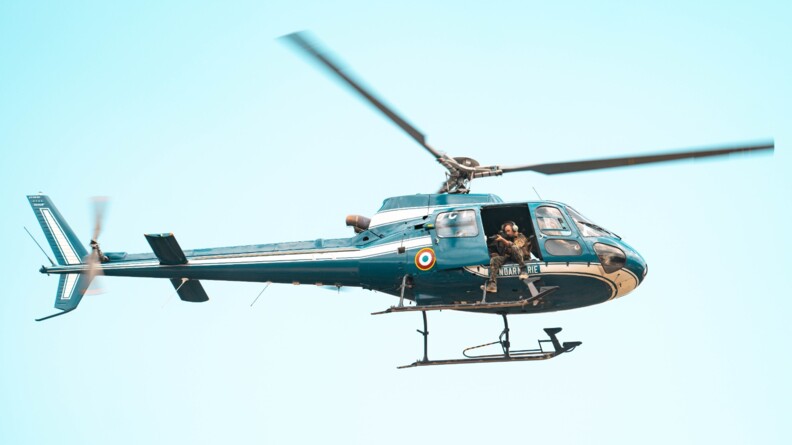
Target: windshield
586,227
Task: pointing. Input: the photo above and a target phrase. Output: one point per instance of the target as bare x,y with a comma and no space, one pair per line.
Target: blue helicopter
432,251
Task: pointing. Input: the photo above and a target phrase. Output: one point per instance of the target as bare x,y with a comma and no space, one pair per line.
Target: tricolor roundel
425,258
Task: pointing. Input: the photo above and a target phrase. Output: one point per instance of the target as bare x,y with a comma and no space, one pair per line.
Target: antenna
537,193
262,291
183,282
39,245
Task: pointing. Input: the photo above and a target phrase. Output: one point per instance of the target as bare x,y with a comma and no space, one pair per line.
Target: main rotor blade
303,42
596,164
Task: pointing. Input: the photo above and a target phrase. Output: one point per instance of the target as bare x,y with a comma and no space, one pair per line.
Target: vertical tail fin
68,252
64,243
71,288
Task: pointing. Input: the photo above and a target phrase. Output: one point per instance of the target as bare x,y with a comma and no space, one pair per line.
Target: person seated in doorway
508,244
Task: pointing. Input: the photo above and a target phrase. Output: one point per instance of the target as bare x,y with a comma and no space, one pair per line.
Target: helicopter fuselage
430,248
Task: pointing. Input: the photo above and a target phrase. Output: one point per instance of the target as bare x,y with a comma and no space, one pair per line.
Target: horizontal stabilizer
170,253
167,249
190,290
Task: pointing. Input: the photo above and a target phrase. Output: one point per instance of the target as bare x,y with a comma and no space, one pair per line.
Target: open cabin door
458,239
494,216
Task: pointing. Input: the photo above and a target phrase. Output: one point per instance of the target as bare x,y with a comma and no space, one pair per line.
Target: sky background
195,120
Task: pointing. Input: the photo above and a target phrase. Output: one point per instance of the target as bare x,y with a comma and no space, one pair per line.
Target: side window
563,247
456,224
552,222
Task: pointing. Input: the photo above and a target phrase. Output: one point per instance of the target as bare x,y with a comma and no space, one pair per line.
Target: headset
514,226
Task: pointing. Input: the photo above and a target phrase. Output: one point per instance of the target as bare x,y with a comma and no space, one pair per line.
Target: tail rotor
96,257
76,266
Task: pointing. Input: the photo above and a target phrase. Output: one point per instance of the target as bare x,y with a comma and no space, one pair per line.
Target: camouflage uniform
501,252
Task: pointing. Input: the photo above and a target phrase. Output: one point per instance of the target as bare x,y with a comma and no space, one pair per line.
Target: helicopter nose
635,263
638,266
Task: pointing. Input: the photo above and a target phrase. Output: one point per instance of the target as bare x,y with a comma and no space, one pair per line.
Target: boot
523,274
492,287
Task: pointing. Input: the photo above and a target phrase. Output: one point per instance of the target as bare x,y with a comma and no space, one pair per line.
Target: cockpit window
551,221
457,224
586,227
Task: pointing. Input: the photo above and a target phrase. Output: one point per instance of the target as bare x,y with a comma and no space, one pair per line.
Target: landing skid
507,354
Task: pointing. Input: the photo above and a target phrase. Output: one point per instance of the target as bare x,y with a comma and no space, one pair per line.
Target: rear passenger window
456,224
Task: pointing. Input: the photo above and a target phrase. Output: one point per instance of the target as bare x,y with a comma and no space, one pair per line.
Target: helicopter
432,251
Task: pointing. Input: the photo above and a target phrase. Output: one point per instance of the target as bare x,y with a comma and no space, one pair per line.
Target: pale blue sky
195,120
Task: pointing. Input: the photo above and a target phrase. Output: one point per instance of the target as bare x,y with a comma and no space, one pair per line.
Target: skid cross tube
425,334
505,344
403,286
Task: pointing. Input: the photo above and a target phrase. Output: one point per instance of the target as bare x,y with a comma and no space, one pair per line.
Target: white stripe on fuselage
403,214
287,257
334,255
